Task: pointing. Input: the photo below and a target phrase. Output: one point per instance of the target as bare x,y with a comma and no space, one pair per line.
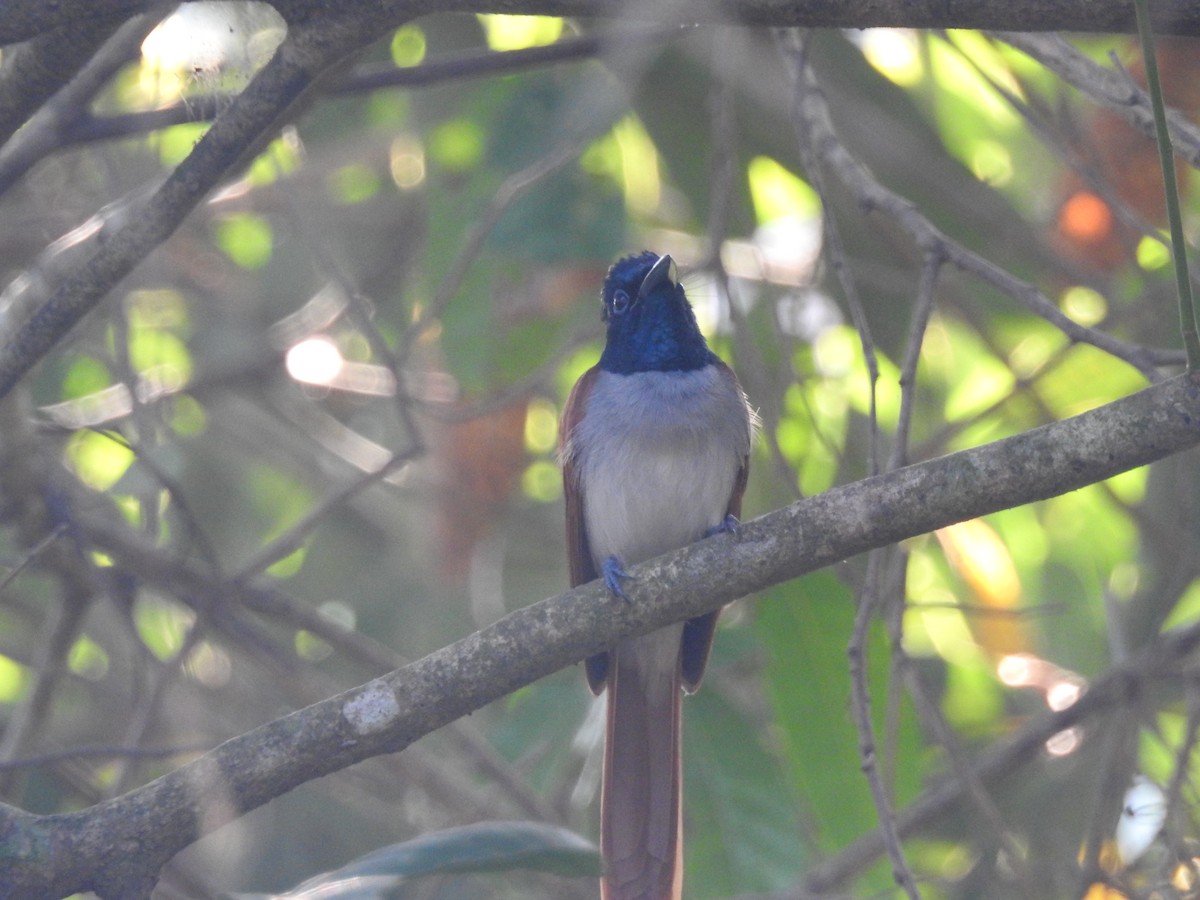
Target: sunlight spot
1083,305
408,46
778,193
992,163
97,459
977,552
789,249
339,613
1124,579
209,665
1085,217
836,351
542,481
1063,694
1032,353
1152,253
518,32
1064,743
541,426
315,360
1016,670
12,680
406,163
88,659
311,647
1183,879
639,166
895,53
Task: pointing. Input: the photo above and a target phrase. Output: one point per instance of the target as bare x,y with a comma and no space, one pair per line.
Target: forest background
291,300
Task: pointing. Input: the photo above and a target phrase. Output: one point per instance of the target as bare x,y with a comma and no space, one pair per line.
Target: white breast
656,455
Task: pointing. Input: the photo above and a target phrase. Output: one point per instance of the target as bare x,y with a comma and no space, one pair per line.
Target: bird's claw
728,525
614,573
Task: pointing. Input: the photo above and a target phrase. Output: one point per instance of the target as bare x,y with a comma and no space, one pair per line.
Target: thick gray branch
23,19
94,848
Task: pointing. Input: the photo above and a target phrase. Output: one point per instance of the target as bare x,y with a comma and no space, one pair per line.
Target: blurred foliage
186,410
483,847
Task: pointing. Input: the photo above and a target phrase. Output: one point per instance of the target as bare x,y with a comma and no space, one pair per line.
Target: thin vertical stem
1187,308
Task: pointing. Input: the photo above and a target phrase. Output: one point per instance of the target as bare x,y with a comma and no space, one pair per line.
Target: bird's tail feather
640,826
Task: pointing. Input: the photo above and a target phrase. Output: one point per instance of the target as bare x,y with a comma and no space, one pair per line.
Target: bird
655,444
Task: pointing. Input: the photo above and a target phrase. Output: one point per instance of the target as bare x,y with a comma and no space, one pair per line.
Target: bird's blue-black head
651,326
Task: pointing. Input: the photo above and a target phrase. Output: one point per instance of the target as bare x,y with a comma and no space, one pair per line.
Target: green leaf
805,626
408,46
742,830
354,183
483,847
86,375
245,238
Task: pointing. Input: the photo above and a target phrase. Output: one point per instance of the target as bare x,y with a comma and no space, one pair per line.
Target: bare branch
23,19
33,72
812,117
1106,693
131,236
45,130
1113,90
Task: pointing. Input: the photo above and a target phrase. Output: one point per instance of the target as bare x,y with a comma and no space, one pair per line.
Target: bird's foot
728,525
614,573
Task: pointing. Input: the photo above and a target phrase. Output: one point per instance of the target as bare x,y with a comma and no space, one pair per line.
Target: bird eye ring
620,302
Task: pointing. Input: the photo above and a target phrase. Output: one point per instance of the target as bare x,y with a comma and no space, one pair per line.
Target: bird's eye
620,302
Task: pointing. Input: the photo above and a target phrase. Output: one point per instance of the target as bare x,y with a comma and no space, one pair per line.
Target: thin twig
872,196
293,539
1113,90
280,86
45,130
860,695
513,187
922,310
142,717
1181,772
475,64
30,714
1111,690
32,555
974,789
794,47
102,751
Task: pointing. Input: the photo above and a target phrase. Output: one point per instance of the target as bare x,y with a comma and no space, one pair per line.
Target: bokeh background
317,430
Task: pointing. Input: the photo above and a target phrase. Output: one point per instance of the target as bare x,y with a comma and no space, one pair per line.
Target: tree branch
1108,692
127,237
33,72
23,19
44,131
93,848
1107,86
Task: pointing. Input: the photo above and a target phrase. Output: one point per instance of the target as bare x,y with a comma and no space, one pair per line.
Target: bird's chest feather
657,454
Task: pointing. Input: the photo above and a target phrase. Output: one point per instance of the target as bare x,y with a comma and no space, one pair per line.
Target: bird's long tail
640,827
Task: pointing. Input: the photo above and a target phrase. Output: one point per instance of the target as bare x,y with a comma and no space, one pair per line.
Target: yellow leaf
976,552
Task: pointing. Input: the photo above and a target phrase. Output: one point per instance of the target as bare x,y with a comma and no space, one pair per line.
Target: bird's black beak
662,272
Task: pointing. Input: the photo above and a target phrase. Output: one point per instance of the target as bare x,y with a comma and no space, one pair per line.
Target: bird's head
651,326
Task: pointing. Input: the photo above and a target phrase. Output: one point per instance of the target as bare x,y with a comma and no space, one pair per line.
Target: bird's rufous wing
579,551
